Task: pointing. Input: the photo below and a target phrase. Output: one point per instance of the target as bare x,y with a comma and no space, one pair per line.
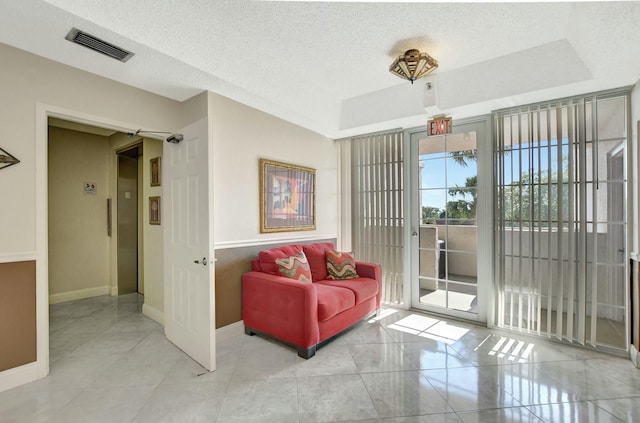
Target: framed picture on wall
154,210
287,197
155,171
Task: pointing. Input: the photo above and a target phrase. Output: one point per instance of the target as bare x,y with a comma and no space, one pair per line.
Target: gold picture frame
154,170
287,197
154,210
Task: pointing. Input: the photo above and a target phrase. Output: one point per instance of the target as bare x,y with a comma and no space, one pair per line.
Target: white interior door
189,304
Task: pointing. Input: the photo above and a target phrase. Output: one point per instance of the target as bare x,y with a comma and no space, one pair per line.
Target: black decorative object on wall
6,159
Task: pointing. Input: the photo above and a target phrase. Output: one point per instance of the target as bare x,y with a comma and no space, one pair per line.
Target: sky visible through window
439,172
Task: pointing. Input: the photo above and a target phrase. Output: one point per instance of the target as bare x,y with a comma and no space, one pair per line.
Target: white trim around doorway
40,368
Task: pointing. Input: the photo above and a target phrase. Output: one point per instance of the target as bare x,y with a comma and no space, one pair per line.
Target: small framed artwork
154,210
287,197
155,171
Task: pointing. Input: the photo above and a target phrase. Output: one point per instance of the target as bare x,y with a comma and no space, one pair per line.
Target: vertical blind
371,169
560,219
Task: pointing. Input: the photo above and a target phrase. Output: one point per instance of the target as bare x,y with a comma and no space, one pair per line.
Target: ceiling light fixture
413,65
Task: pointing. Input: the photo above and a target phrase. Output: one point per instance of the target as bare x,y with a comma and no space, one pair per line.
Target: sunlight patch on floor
383,314
511,349
457,300
429,328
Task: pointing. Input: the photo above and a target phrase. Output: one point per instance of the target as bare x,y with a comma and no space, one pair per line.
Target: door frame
40,368
484,219
138,144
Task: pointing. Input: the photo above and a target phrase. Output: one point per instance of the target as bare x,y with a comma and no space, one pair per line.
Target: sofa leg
247,331
306,353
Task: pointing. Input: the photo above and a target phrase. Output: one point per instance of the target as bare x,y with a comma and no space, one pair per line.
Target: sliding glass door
561,213
451,234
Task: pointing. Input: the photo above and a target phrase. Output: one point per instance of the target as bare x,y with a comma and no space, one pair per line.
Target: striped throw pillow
295,267
340,265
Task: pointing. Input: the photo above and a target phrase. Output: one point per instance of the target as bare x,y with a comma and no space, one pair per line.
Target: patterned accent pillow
340,265
295,267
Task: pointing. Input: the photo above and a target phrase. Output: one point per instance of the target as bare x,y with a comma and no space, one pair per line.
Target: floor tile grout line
585,369
422,375
298,398
533,412
373,403
605,410
566,403
59,410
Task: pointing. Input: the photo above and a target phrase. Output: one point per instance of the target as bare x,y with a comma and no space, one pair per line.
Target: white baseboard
230,331
633,354
113,291
78,294
17,376
153,313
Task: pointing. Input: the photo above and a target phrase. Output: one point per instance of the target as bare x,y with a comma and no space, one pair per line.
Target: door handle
203,261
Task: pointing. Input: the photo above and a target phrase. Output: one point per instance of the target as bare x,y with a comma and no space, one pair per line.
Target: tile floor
111,364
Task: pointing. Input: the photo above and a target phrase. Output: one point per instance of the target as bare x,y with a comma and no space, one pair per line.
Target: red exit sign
440,125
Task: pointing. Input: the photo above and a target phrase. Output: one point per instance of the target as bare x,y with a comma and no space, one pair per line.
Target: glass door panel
445,239
560,241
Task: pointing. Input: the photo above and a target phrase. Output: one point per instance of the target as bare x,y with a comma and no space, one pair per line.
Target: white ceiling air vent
96,44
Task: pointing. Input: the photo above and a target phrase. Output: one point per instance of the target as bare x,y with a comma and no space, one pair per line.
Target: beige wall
241,136
153,239
28,80
151,260
74,156
78,241
32,88
66,276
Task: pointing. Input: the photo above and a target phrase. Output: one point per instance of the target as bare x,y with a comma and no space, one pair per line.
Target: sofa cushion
317,259
362,288
267,258
340,265
333,300
295,267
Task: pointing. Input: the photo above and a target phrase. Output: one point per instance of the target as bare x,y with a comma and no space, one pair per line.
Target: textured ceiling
307,61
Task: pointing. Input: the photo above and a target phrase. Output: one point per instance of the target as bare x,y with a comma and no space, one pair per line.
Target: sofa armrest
372,271
281,307
369,270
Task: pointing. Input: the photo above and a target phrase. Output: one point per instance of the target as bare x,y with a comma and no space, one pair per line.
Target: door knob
203,261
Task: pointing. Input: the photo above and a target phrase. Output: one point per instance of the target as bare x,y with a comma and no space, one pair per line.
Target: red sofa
301,314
